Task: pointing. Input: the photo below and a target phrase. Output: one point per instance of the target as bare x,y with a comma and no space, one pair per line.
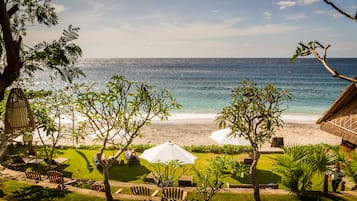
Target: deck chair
98,187
142,190
173,193
33,175
55,177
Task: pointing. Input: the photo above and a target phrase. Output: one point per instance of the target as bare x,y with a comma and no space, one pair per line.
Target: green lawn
80,161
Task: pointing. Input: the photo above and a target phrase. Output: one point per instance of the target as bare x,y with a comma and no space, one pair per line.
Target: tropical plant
299,164
255,114
120,112
209,182
168,173
351,167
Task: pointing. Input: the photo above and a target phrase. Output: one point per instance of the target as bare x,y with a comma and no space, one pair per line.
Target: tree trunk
108,194
252,172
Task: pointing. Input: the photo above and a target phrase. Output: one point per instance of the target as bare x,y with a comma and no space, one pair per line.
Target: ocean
203,86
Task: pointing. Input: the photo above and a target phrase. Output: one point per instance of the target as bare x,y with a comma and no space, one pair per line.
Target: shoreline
177,118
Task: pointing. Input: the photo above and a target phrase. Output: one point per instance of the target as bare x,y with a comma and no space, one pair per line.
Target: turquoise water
204,85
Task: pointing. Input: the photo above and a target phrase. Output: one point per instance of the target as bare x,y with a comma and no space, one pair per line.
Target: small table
185,180
60,160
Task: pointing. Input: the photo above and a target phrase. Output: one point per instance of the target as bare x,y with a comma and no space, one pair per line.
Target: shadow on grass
89,165
318,195
37,193
263,177
127,173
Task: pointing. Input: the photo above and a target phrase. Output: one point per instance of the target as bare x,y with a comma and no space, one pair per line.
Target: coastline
196,129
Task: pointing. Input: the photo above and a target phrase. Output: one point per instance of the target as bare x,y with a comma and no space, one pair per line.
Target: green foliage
124,108
254,112
218,164
168,173
239,169
226,149
303,49
351,167
60,55
209,182
299,164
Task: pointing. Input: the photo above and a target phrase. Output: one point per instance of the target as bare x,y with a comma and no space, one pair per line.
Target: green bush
226,149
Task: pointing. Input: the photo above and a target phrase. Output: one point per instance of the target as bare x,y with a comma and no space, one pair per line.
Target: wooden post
343,185
325,190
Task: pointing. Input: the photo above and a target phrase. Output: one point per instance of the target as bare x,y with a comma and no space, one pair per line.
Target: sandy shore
197,132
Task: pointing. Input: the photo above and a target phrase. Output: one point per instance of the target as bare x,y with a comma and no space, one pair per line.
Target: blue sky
202,28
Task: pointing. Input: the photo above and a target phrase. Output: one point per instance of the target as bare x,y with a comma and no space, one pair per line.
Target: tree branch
323,61
341,11
13,10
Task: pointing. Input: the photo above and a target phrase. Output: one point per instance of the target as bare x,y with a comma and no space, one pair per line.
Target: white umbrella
166,152
223,137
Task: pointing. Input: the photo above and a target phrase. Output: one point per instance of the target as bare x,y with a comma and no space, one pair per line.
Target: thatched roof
341,118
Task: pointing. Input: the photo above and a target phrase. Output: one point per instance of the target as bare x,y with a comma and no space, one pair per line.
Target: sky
201,28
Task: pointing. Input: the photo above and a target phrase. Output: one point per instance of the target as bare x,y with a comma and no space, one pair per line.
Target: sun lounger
100,188
172,193
33,175
142,190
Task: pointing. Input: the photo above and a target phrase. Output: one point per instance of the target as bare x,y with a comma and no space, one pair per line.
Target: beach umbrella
223,137
167,152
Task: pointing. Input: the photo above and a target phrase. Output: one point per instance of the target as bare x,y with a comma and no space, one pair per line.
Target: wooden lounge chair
100,188
173,193
55,177
142,190
33,175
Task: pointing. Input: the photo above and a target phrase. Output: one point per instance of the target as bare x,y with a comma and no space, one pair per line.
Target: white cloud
285,4
307,2
215,11
296,17
268,15
328,13
58,8
233,21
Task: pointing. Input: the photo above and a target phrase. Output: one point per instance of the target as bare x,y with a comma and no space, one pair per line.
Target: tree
255,114
120,112
319,51
17,58
49,111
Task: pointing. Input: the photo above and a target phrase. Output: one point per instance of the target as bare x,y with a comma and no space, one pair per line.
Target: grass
81,160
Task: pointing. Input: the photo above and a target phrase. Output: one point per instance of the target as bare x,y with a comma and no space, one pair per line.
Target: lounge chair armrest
70,182
118,191
184,195
155,193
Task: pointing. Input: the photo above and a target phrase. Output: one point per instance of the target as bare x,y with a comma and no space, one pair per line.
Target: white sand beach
197,132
